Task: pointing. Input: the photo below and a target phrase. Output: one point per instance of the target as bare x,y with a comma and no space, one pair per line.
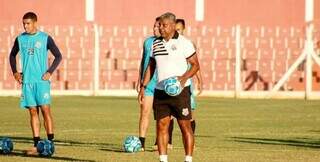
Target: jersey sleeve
12,57
144,50
189,49
56,53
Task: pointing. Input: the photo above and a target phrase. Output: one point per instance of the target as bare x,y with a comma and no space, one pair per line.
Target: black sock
193,126
35,141
170,131
142,139
155,143
50,137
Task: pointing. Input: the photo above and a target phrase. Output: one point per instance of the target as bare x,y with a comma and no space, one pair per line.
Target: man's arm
138,81
57,58
141,68
13,61
193,61
199,81
147,77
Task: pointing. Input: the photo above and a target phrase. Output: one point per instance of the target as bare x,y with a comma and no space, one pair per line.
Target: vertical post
89,10
237,74
199,10
309,49
309,13
96,60
309,10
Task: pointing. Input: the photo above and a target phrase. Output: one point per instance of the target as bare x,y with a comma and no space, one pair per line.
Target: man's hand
138,87
46,76
182,80
141,95
18,77
200,88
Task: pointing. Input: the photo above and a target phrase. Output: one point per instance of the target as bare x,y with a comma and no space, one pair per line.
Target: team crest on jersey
185,111
173,47
38,44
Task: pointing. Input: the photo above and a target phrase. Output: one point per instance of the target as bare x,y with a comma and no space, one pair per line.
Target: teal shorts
192,97
35,94
149,90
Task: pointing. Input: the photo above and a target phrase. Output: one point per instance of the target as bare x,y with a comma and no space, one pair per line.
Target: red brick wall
223,12
48,11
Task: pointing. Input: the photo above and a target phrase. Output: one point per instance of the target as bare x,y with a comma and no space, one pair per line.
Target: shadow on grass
58,142
315,131
300,142
21,153
203,136
101,146
120,150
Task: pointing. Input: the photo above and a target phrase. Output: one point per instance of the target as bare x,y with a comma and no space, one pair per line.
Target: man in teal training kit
146,105
33,46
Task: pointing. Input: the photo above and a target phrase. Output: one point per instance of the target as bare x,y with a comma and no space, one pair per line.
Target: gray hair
168,15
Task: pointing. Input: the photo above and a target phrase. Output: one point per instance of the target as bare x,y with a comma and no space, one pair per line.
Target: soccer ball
6,145
45,148
172,86
132,144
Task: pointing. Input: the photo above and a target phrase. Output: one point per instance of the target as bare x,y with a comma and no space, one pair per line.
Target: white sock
188,158
164,158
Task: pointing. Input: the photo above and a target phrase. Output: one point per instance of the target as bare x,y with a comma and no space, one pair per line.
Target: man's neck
33,32
169,37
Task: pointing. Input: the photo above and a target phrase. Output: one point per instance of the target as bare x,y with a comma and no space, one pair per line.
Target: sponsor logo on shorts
185,111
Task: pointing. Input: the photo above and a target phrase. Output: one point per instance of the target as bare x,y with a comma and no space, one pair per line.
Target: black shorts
177,106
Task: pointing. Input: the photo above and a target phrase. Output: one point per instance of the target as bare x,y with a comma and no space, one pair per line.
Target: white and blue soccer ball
172,86
6,145
45,148
132,144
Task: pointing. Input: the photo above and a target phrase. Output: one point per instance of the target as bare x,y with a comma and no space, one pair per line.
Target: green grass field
93,128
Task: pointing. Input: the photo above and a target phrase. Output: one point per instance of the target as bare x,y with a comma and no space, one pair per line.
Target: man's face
29,25
167,28
156,29
180,28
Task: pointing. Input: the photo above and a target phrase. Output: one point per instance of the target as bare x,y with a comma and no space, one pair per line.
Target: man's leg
193,108
193,122
35,127
145,110
162,137
48,121
171,126
44,99
188,138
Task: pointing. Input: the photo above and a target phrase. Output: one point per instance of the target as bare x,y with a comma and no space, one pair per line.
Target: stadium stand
268,46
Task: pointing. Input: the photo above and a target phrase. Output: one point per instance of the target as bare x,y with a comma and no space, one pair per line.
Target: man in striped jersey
170,56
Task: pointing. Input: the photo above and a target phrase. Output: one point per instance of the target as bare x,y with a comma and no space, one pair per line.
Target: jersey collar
175,36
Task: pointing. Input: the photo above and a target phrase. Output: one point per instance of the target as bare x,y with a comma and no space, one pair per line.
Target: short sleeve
189,49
